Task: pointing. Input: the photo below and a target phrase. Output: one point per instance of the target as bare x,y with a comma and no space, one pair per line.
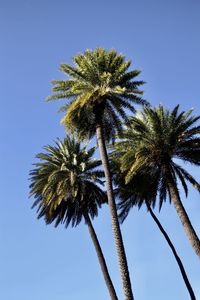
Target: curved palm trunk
101,258
189,230
114,218
178,260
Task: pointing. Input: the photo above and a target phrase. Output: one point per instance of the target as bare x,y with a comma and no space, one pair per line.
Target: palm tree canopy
99,86
65,183
140,189
153,140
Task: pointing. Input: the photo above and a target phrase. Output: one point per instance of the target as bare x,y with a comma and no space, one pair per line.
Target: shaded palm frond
66,183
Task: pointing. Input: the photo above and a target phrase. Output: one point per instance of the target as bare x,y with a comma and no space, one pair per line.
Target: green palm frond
136,192
150,143
66,183
99,86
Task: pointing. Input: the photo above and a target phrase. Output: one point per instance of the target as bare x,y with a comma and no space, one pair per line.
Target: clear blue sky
39,262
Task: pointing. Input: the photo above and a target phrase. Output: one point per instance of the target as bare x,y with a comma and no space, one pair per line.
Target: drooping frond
98,81
66,183
150,142
134,193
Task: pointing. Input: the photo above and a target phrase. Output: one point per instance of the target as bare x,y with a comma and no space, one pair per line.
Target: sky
40,262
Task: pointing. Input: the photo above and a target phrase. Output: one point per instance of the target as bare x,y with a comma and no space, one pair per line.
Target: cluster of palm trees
138,156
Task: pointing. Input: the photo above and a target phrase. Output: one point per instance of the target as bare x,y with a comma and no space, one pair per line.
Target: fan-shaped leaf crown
65,183
99,86
151,142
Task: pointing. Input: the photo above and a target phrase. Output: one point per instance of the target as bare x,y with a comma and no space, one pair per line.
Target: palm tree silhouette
65,184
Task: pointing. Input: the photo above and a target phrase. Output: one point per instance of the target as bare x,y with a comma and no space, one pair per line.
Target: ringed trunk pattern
114,218
189,230
178,260
101,258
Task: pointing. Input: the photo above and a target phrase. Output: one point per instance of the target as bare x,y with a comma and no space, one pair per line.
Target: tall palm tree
100,88
65,184
142,190
150,144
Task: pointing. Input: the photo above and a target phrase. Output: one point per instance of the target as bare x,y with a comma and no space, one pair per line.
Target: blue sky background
39,262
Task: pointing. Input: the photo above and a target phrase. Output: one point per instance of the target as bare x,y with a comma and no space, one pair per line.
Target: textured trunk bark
189,230
178,260
101,258
114,218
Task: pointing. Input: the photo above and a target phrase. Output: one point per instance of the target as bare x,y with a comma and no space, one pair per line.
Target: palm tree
65,184
150,144
100,88
142,190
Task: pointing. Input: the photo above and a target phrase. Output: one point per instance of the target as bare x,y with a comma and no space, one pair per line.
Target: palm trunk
189,230
114,218
178,260
101,258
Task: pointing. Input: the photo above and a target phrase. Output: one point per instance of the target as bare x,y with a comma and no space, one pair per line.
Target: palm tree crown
154,139
99,86
150,145
64,183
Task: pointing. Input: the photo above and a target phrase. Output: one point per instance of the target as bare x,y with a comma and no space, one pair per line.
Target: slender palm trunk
114,218
101,258
189,230
178,260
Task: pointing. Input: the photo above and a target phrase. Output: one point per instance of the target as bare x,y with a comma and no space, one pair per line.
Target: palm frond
98,80
66,183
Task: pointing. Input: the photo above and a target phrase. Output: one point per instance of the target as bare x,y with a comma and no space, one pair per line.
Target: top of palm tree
151,142
65,183
99,87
